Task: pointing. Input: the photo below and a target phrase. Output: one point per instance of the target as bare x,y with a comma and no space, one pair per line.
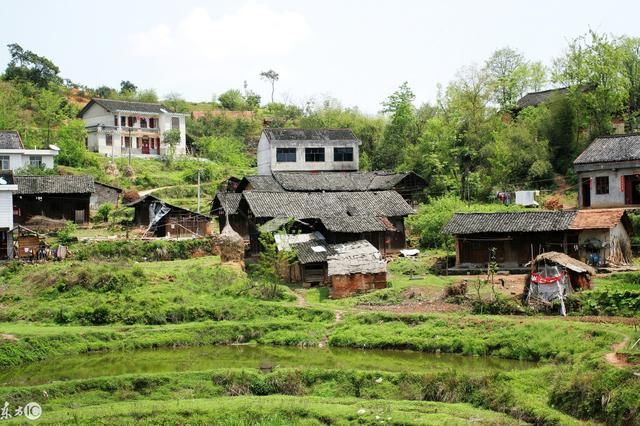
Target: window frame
286,155
38,161
339,153
314,157
108,139
175,123
602,185
4,158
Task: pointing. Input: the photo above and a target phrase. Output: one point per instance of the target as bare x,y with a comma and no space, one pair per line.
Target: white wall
6,205
264,156
165,126
20,158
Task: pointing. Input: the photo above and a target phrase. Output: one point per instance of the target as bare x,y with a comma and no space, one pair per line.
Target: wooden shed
166,220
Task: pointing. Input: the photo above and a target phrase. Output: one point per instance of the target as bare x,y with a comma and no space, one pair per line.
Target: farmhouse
7,189
117,128
598,236
307,150
340,216
14,156
54,197
166,220
609,172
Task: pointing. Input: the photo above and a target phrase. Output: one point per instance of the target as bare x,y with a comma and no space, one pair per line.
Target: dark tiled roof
310,134
357,224
33,185
306,253
535,221
537,98
112,105
303,205
260,183
10,139
610,149
339,181
228,201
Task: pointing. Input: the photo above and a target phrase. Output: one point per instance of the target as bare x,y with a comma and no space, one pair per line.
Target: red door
145,145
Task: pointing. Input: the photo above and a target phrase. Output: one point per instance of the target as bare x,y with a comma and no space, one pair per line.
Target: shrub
65,235
103,212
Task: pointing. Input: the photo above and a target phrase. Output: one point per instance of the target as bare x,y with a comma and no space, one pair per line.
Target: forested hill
472,141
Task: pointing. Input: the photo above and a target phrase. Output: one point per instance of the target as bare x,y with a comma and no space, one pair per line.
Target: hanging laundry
526,198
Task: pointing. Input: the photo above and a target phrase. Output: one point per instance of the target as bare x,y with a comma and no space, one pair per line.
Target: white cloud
253,31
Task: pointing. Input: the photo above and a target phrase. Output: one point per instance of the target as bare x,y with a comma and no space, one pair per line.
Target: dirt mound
44,224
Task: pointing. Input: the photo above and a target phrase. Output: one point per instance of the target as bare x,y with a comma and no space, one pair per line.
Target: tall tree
28,66
592,68
49,111
127,87
400,131
271,76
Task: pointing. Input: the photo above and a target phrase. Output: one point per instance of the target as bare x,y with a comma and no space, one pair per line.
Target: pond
202,358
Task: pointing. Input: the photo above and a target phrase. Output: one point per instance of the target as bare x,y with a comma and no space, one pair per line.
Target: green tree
147,95
11,106
171,138
592,68
232,100
49,112
271,76
70,139
401,130
27,66
176,102
127,87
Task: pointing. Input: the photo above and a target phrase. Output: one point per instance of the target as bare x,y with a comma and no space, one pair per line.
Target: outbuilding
166,220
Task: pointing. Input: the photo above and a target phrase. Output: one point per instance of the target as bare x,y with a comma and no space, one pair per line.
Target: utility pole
198,188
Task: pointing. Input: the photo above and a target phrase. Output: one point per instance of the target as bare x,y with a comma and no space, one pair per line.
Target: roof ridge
126,100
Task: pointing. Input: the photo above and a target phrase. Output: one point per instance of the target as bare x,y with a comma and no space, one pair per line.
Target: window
152,123
138,143
602,184
123,120
35,161
286,155
342,154
115,120
131,121
175,123
4,162
127,142
314,154
143,123
109,139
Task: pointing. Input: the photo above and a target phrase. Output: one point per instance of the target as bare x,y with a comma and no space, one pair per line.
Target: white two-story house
118,128
7,188
307,150
14,156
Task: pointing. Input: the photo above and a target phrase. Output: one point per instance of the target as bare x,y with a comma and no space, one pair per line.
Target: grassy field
75,308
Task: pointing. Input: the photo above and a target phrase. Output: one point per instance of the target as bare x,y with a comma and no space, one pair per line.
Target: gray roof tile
33,185
10,139
535,221
112,105
280,134
611,149
339,181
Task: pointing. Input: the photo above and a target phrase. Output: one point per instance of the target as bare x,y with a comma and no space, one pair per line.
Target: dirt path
612,357
301,300
152,190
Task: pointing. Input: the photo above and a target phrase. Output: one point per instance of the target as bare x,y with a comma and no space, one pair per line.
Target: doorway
145,145
4,244
632,189
586,192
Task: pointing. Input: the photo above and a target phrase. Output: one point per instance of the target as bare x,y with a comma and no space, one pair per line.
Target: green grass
278,410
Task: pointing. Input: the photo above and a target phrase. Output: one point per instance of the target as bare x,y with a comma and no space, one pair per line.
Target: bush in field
103,212
65,235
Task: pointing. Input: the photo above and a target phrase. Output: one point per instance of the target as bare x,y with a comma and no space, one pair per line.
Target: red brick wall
348,285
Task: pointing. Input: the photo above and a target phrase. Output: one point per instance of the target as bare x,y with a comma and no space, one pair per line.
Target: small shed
26,242
355,267
166,220
311,251
104,194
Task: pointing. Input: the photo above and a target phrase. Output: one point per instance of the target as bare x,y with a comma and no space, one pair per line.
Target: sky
357,52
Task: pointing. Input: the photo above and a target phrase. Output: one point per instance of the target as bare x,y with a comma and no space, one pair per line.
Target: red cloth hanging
539,279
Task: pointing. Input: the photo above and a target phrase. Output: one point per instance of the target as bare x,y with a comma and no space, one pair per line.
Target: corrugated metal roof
10,139
611,149
535,221
302,205
33,185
